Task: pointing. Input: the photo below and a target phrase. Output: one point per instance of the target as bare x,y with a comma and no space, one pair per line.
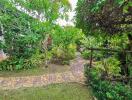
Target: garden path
74,75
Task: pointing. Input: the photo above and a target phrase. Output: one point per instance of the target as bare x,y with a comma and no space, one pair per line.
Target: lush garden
34,44
28,42
108,27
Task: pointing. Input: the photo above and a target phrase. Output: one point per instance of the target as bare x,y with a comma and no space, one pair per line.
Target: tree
112,21
51,9
109,17
26,37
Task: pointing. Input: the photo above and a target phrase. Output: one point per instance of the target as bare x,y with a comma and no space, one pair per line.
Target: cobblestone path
74,75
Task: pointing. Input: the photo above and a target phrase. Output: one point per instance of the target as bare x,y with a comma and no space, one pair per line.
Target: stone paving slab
74,75
34,81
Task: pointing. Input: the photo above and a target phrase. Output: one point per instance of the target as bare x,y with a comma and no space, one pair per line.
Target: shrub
86,54
65,43
109,65
22,34
106,90
64,54
11,63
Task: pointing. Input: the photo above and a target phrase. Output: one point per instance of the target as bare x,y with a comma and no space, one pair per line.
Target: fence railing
103,49
107,50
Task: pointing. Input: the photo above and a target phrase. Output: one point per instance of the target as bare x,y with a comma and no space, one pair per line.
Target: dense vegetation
107,24
28,41
103,34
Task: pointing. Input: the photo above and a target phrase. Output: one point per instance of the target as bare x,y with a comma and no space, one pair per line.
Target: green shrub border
106,90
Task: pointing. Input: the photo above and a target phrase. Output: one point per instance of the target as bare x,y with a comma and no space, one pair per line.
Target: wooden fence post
91,58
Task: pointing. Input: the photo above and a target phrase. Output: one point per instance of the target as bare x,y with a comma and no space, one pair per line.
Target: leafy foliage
110,66
20,36
50,8
111,16
19,33
107,24
105,90
65,42
25,37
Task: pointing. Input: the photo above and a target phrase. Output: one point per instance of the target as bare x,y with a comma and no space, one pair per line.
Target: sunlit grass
52,68
52,92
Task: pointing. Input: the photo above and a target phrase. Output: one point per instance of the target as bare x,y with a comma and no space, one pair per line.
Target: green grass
65,91
52,68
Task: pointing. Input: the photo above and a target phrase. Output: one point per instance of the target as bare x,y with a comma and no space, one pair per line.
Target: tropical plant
65,42
104,89
26,36
111,21
50,9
